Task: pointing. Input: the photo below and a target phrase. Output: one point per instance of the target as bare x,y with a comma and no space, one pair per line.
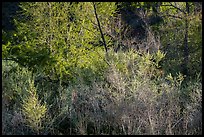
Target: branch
177,8
102,36
15,60
174,7
173,16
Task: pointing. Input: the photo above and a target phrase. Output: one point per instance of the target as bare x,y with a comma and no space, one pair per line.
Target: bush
20,101
125,94
33,110
131,102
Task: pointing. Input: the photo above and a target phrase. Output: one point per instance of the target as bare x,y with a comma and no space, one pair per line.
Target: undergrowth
129,95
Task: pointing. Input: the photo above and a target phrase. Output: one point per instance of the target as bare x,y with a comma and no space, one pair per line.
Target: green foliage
172,37
195,45
125,99
15,81
175,81
158,58
57,36
32,109
58,78
125,91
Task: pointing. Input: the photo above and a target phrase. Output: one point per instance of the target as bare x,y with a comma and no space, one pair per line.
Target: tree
186,49
180,23
58,37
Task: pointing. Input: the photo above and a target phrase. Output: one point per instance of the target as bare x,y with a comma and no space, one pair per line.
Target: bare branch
102,36
173,16
177,8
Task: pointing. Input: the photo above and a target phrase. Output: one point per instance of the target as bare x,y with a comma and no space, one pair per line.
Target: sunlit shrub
131,101
32,108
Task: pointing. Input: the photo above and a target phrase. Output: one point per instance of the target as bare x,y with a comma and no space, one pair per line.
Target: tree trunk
186,49
185,69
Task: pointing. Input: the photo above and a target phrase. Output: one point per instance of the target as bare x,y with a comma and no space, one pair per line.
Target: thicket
58,78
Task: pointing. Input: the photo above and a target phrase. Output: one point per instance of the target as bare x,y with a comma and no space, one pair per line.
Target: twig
173,16
177,7
177,122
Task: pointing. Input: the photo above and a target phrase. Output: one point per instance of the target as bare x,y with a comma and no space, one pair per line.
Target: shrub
33,110
131,102
19,91
125,94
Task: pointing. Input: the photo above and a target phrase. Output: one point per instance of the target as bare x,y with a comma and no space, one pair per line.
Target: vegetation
128,68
